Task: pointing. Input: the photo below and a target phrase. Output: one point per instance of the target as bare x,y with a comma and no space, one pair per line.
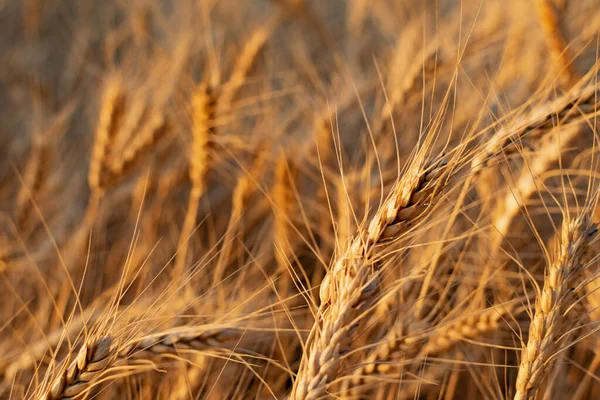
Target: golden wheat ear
549,19
111,114
96,357
348,288
203,103
549,324
93,357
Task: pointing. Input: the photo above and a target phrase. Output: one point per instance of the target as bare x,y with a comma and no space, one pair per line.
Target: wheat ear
97,356
91,360
470,327
526,185
556,43
111,114
243,190
39,163
548,321
246,59
418,339
203,109
348,288
145,138
283,199
572,107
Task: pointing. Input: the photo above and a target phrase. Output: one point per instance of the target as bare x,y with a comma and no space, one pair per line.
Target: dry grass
299,199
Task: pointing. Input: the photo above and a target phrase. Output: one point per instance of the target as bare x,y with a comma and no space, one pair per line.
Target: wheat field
299,199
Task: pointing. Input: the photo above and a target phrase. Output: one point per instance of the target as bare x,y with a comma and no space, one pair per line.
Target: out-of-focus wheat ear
324,158
418,339
245,186
344,219
190,379
245,60
397,339
349,287
203,111
526,186
323,138
39,163
32,15
141,144
283,201
550,320
469,327
34,177
175,176
203,103
111,114
422,67
549,20
143,185
573,107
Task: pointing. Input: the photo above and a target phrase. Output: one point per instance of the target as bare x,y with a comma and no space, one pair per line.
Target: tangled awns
299,199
